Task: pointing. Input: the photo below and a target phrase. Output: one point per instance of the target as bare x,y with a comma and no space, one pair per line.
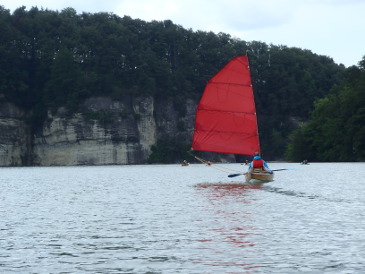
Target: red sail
226,116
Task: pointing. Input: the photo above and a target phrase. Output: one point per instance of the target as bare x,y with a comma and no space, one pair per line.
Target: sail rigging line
209,163
224,169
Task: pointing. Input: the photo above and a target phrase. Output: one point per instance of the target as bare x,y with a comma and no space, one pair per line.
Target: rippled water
174,219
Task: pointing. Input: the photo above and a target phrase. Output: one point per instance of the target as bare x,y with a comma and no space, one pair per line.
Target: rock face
105,132
14,137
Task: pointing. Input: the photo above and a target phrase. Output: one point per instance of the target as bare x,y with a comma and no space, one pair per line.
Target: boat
226,120
258,175
185,163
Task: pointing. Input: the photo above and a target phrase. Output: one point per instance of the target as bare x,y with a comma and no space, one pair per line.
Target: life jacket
258,163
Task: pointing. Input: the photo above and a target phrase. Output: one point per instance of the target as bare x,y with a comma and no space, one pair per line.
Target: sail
226,115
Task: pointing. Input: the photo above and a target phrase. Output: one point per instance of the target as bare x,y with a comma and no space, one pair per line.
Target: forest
308,106
336,128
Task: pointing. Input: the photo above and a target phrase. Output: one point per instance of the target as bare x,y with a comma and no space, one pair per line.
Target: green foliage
101,116
64,84
181,126
123,115
336,127
300,147
169,150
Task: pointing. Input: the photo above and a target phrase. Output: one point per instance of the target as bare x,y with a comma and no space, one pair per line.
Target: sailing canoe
226,119
259,176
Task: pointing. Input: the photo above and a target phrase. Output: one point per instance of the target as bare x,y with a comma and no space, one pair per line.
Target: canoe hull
259,177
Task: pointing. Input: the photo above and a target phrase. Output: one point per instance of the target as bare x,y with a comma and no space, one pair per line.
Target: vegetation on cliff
50,59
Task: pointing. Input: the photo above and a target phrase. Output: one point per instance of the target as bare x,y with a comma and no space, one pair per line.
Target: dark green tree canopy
336,130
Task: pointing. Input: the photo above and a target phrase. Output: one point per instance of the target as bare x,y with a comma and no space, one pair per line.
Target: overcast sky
334,28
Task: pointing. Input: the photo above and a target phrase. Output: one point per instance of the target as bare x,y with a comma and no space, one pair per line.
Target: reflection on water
232,228
231,188
217,193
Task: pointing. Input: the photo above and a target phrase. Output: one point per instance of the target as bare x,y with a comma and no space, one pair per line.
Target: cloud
253,15
80,6
148,10
217,16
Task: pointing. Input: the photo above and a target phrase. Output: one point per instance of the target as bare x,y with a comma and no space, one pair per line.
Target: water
173,219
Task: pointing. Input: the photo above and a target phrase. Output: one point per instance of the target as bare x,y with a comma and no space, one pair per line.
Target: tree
64,84
336,127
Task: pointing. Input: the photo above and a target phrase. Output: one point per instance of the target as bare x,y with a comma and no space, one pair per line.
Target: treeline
50,59
61,58
336,130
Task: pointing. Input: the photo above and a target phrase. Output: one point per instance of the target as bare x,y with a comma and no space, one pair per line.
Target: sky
334,28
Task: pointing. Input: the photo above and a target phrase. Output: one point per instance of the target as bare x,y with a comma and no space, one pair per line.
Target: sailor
258,162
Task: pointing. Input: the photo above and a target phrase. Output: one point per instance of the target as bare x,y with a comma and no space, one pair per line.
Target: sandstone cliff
14,136
105,131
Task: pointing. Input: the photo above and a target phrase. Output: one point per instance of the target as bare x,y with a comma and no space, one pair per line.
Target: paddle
238,174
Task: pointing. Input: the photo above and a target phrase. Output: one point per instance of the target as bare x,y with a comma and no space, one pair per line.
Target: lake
174,219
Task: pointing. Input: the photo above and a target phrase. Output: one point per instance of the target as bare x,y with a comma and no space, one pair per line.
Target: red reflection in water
230,221
212,191
228,186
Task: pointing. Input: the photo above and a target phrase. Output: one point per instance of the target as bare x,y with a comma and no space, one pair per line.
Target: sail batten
220,83
227,111
226,119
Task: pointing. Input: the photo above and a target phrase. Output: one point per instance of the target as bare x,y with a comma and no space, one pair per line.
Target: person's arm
267,166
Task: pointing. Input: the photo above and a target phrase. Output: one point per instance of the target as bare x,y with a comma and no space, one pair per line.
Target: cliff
14,136
103,132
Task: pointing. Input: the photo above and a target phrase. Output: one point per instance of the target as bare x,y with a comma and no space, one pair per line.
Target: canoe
225,120
259,176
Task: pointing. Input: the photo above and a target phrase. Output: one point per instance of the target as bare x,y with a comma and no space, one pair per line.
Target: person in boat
258,162
185,163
